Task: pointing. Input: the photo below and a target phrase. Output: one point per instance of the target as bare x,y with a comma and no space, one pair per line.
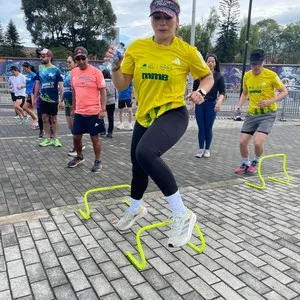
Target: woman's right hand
110,53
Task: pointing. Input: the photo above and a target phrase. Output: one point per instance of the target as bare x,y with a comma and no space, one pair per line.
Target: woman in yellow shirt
159,66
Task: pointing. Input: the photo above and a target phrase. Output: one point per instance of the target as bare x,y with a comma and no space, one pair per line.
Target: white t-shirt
17,81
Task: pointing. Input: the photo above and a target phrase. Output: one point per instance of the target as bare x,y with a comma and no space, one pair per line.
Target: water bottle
117,55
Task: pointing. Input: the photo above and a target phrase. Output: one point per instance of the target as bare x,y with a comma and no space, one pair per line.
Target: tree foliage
70,23
228,34
204,32
12,45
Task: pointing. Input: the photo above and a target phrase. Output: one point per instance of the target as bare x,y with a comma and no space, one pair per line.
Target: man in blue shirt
48,80
125,100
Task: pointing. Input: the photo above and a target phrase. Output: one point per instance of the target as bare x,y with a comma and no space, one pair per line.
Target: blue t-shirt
68,89
49,78
126,94
30,79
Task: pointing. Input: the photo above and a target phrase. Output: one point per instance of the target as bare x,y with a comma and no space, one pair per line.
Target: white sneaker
121,126
200,153
130,126
128,219
182,229
206,153
16,117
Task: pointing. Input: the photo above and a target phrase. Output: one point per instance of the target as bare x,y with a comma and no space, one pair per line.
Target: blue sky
133,18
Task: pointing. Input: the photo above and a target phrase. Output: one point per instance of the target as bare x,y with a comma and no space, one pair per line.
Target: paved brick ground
49,252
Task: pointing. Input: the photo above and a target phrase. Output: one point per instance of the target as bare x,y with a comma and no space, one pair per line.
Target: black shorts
124,103
21,98
29,100
87,124
49,108
13,97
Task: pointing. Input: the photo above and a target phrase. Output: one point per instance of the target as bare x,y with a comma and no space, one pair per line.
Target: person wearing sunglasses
49,82
158,67
89,107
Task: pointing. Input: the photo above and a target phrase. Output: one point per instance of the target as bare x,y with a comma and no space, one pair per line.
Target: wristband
202,92
116,69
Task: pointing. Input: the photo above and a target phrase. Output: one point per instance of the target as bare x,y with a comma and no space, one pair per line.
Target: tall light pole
192,42
246,44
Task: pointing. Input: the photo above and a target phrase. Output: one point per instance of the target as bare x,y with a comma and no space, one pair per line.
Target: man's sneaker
200,154
130,126
103,133
242,169
97,166
121,126
109,135
41,134
206,154
128,219
16,117
76,161
253,167
56,143
72,152
182,229
46,142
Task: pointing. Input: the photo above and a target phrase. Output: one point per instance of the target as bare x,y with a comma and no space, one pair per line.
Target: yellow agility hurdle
87,213
261,187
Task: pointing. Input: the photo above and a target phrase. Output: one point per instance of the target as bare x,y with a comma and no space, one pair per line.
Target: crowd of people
89,95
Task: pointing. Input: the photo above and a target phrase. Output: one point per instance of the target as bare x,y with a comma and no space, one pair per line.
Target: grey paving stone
147,292
178,283
88,294
55,236
64,292
56,276
99,255
15,268
5,295
110,270
69,263
80,252
101,285
280,288
203,288
124,289
20,287
43,246
4,281
42,291
132,275
254,283
12,253
72,239
9,240
78,280
61,249
35,272
30,256
273,296
160,266
26,243
89,267
226,292
89,242
49,260
277,274
253,270
156,280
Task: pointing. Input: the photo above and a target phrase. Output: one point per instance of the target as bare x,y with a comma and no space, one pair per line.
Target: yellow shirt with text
159,75
261,87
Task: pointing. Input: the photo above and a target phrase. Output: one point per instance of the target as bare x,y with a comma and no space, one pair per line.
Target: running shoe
72,152
206,154
128,219
97,166
242,169
130,126
182,229
56,142
41,134
26,118
121,126
253,167
200,154
76,161
46,142
109,135
21,121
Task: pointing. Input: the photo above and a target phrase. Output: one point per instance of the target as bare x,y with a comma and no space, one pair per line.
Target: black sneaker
97,166
109,135
76,161
103,133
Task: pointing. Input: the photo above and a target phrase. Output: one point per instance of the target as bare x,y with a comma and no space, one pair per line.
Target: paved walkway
48,252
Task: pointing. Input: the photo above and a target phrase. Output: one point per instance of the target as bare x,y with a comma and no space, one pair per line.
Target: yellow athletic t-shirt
261,87
159,75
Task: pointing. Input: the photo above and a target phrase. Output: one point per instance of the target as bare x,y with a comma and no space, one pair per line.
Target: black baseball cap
26,64
80,51
257,56
14,68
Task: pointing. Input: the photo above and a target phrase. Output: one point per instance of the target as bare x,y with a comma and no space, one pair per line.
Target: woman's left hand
196,97
217,107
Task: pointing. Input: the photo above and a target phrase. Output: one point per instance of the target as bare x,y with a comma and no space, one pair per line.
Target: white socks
176,204
134,205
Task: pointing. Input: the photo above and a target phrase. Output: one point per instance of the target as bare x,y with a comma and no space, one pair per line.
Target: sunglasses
158,17
80,57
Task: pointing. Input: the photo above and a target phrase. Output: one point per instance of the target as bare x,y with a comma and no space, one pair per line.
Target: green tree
204,32
1,40
254,37
12,43
269,39
70,23
228,34
290,39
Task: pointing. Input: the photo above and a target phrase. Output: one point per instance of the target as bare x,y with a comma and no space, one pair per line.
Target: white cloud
133,15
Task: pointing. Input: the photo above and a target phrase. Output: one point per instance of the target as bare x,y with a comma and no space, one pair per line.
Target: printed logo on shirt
155,76
96,125
176,61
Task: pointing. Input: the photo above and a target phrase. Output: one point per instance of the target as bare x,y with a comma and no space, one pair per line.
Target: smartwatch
202,92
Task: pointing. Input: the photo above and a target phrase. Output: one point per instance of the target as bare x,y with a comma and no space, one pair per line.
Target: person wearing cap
259,86
159,66
30,80
49,82
89,106
18,82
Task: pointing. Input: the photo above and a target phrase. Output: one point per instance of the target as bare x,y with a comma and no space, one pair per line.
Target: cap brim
164,10
256,62
81,54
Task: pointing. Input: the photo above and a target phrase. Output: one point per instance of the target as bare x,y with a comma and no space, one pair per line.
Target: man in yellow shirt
259,86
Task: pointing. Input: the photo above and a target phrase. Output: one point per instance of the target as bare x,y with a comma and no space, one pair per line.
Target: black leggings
110,109
147,147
